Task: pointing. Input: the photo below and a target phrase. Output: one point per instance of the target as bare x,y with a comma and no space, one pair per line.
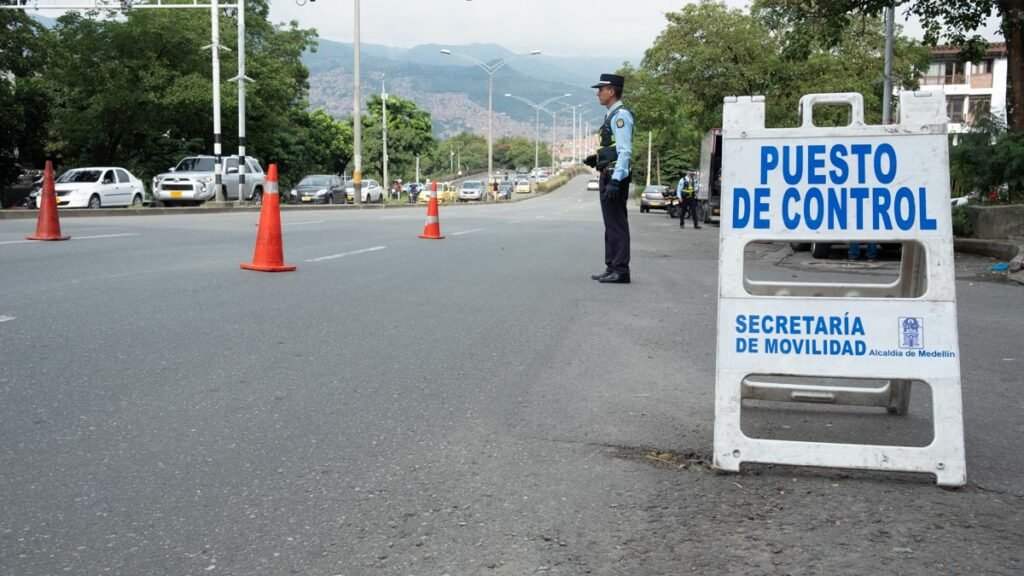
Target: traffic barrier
792,342
432,229
269,254
48,225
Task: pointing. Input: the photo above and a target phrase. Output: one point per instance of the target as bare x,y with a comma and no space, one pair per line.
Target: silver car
472,190
192,181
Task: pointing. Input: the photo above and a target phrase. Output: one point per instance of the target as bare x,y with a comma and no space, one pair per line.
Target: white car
472,190
593,184
98,187
370,191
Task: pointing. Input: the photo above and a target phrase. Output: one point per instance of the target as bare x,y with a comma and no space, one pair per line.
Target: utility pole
384,121
650,136
357,119
890,16
241,79
218,168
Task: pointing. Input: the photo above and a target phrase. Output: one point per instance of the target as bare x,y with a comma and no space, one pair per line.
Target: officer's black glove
591,160
611,191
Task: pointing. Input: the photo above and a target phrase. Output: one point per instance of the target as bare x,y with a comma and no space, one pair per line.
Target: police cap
610,80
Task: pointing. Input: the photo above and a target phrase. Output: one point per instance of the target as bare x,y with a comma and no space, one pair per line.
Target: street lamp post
490,69
537,107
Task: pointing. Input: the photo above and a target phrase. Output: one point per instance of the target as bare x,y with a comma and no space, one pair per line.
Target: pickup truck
192,181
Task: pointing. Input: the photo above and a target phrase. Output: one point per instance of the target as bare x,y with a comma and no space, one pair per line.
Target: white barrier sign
834,185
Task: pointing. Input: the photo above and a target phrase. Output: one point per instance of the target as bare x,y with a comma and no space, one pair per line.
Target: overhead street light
490,69
537,108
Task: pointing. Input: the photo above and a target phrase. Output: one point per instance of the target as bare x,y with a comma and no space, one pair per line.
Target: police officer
615,150
686,191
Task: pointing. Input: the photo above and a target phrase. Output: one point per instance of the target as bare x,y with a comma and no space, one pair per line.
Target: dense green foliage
952,21
709,51
409,134
510,153
989,161
23,100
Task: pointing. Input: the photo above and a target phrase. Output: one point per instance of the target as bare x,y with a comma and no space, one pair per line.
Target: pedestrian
854,252
615,150
687,193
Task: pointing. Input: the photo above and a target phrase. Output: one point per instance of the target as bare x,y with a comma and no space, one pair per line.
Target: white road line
73,238
539,217
466,232
343,254
302,223
6,318
514,221
102,236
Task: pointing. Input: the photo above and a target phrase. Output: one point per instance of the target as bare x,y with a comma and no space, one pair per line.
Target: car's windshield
195,164
315,181
472,184
80,176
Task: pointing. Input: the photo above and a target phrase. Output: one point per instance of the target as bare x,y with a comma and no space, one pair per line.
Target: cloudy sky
558,27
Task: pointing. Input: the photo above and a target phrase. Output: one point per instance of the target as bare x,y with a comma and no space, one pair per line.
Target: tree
954,21
23,101
410,134
137,92
708,51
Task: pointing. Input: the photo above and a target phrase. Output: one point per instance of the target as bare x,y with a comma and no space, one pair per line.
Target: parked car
370,192
192,181
593,184
654,197
472,190
522,186
96,187
319,189
446,192
18,193
505,190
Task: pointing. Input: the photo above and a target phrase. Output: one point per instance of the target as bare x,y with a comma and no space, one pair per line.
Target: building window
955,109
980,107
945,72
983,67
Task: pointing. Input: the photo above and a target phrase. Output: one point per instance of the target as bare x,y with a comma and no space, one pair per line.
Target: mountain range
454,90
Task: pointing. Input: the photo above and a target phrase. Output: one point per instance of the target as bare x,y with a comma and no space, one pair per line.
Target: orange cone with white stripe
48,225
432,230
269,255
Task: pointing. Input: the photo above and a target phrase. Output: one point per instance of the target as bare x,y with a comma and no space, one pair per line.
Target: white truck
709,191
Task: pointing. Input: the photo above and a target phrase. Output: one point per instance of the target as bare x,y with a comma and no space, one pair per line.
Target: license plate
306,198
655,203
175,193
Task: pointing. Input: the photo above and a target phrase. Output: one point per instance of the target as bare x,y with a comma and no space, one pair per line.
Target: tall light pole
490,69
537,107
384,133
357,118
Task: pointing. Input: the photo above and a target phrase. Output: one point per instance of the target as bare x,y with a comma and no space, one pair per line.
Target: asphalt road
472,405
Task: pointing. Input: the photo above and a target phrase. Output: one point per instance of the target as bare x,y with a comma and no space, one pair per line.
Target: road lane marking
466,232
302,223
343,254
102,236
73,237
539,217
6,318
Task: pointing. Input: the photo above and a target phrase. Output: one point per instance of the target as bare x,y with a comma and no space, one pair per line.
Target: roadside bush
989,161
557,181
961,223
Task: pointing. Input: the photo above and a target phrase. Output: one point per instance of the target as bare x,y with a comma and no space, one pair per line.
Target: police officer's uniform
687,193
613,161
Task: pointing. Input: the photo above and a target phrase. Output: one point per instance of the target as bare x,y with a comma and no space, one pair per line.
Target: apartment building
971,88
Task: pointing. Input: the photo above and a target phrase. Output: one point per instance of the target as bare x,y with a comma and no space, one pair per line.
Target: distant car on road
522,186
370,191
472,190
319,189
97,187
446,192
654,197
505,190
593,184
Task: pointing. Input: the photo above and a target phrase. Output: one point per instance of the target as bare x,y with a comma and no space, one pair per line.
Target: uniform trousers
616,226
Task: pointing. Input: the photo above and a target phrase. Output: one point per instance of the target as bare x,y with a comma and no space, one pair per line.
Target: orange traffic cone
48,225
269,255
432,229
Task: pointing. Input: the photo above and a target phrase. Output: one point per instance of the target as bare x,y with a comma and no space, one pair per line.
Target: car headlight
206,179
321,192
295,192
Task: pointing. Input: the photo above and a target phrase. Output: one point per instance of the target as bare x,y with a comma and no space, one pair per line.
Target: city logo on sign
911,333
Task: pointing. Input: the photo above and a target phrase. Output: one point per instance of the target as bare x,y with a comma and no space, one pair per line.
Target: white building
971,88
